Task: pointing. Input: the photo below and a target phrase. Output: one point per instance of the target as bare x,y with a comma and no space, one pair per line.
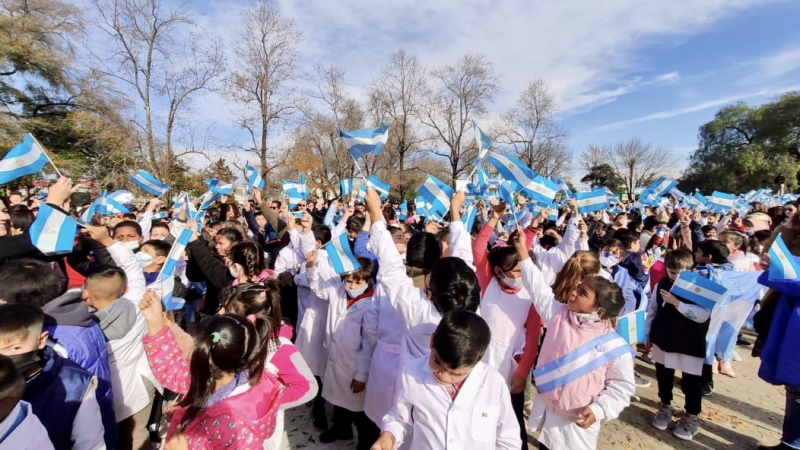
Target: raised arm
541,294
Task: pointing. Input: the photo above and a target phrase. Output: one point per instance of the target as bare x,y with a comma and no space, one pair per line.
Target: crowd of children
433,341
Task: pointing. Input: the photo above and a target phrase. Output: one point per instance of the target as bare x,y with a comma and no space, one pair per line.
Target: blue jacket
55,394
70,324
780,357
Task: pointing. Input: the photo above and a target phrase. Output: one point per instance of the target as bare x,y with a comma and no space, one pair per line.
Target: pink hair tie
251,318
498,244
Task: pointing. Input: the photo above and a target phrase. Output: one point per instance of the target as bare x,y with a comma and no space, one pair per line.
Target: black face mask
26,362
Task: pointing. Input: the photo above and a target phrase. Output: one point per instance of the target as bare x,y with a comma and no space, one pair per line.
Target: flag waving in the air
364,141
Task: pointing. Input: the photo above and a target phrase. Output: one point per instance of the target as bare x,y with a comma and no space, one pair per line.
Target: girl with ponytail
580,265
229,399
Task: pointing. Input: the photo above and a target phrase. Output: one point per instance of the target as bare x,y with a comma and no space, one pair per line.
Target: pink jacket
564,334
241,421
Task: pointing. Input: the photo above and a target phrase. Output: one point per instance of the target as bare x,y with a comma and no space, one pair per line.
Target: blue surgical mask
143,259
353,293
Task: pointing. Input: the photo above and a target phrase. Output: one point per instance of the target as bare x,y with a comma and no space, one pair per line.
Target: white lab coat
342,342
479,418
558,432
551,261
506,315
28,434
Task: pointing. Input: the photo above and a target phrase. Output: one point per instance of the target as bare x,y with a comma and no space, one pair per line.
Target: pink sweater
565,334
241,421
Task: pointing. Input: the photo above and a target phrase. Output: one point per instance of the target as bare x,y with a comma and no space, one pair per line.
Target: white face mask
608,259
133,245
143,259
513,283
233,271
353,293
586,317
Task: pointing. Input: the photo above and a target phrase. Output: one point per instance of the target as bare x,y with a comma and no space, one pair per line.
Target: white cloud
780,63
672,77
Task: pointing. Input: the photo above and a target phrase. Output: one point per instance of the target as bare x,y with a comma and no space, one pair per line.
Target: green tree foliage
603,175
746,147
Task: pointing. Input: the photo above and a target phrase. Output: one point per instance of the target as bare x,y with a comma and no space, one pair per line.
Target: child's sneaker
687,428
663,417
639,381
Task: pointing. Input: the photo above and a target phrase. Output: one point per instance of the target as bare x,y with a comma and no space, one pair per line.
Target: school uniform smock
426,417
607,390
551,261
22,430
342,340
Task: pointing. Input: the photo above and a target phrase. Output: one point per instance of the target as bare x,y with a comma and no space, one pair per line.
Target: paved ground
741,413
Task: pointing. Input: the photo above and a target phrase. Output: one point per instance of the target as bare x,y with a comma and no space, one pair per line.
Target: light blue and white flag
53,232
296,191
25,158
254,179
167,275
421,206
506,194
382,188
346,186
122,196
483,141
362,192
115,207
512,169
222,188
207,200
563,187
543,190
782,264
722,201
149,183
437,195
402,213
698,289
340,256
661,186
632,328
591,201
468,218
364,141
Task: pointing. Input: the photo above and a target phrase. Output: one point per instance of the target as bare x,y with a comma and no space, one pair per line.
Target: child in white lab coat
347,300
585,369
450,399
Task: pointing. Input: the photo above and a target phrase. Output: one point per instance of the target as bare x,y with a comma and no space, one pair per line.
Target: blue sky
656,70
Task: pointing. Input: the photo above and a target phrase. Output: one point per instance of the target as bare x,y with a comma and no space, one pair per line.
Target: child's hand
192,225
587,418
764,261
99,235
517,384
521,244
384,442
357,386
152,311
669,298
648,346
311,258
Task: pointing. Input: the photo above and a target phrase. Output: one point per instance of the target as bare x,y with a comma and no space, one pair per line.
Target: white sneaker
736,356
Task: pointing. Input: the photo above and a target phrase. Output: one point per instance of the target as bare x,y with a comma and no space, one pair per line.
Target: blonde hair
581,264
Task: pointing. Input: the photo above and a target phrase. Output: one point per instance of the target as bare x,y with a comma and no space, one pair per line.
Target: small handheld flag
254,179
484,143
592,201
365,141
698,289
382,188
437,195
25,158
53,232
782,264
632,327
149,183
167,275
341,257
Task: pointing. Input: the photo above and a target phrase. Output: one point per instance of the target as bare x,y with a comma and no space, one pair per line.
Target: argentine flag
167,275
782,264
722,201
340,256
698,289
296,191
207,200
53,232
346,186
661,186
632,327
222,188
382,188
114,207
368,140
436,194
25,158
592,201
122,196
254,179
543,190
402,213
149,183
484,143
514,170
468,218
507,195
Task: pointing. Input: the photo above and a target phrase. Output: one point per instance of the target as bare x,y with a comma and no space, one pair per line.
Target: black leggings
518,404
367,431
690,386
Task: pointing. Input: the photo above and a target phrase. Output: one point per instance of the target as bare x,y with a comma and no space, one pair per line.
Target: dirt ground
741,413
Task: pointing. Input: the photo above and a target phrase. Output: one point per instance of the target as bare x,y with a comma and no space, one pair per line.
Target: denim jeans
791,420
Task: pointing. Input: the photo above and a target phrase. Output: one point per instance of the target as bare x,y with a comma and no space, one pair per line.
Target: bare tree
396,95
531,129
265,67
460,94
595,155
156,54
639,163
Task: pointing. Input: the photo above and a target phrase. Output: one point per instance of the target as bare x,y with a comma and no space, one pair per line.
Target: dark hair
504,258
355,224
28,281
321,233
161,248
547,241
707,229
12,386
762,235
363,273
461,339
740,240
607,295
249,255
231,234
422,251
716,250
159,224
21,217
613,243
453,284
679,259
259,299
650,223
20,317
109,274
129,224
626,237
240,345
278,202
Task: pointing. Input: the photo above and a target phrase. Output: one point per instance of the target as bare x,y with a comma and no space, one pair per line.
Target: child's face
400,241
673,274
159,233
616,251
20,343
223,246
351,283
701,258
261,221
444,374
126,234
158,261
582,299
729,242
635,246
